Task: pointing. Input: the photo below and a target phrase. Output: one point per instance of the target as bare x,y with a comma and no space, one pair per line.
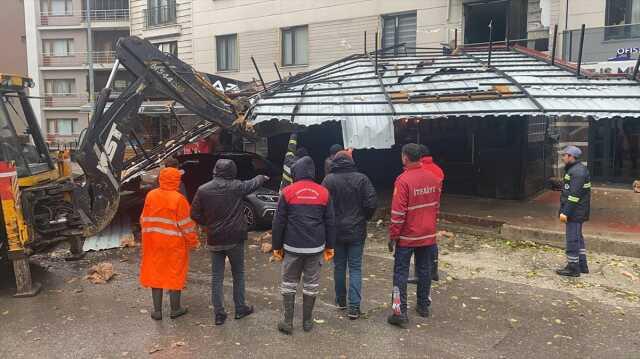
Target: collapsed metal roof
436,83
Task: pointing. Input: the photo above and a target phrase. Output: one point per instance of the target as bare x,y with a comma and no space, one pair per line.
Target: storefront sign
611,67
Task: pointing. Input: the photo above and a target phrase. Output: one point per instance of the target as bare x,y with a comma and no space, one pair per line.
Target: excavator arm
157,76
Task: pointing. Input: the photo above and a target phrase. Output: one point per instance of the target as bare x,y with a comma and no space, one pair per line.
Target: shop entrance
614,150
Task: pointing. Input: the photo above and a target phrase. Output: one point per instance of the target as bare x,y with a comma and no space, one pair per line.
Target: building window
62,126
105,5
160,12
60,87
227,52
295,46
57,47
56,7
622,19
169,47
399,33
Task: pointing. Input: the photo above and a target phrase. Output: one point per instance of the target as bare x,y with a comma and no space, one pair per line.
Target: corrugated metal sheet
110,237
350,92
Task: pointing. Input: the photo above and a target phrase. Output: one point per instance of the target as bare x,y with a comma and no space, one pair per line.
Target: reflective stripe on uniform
284,175
288,287
303,250
587,185
293,142
417,238
8,174
396,221
168,232
573,199
189,230
398,213
418,206
567,177
159,220
184,221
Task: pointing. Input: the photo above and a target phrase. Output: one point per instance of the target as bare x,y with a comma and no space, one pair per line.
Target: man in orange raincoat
168,233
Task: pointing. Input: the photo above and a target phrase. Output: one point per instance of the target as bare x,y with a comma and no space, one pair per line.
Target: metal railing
65,99
77,58
618,42
160,15
55,143
68,18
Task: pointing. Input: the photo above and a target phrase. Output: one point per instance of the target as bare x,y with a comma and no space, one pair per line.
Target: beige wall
336,29
180,32
14,54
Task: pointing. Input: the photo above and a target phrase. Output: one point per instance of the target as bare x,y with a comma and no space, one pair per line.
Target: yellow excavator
43,202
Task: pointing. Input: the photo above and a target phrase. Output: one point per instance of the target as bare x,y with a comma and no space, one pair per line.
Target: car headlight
267,197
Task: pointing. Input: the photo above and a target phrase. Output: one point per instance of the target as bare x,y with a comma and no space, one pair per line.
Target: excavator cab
21,141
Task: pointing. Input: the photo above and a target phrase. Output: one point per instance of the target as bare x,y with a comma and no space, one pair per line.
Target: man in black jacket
217,206
575,207
354,203
303,228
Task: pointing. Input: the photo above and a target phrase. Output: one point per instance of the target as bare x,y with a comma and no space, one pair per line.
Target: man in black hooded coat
217,206
354,202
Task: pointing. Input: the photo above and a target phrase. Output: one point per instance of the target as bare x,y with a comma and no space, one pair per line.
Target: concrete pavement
498,299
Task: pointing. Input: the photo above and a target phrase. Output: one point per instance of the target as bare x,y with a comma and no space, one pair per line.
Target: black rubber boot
584,267
308,302
156,294
571,270
176,309
401,321
288,302
76,249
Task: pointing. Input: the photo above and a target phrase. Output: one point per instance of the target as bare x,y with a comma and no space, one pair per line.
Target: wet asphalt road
473,317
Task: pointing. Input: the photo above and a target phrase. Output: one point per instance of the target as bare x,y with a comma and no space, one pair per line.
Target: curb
603,244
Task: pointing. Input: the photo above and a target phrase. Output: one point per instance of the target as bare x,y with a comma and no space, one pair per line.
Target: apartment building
14,58
221,36
166,23
70,46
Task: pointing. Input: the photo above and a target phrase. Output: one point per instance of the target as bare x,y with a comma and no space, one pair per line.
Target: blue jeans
236,259
348,255
575,247
424,260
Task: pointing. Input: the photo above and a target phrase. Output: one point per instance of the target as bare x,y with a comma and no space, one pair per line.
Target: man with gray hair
575,206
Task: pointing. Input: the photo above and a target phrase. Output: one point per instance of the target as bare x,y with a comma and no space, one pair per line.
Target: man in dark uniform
575,203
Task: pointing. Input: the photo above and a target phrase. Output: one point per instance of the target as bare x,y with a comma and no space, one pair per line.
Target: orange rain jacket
168,233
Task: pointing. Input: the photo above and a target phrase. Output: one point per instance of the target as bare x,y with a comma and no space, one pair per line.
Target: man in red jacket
432,167
414,208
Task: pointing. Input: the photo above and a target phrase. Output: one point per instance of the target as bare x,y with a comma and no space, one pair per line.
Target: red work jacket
414,208
429,165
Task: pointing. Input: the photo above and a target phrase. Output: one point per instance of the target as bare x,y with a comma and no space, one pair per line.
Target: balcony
110,17
52,100
160,16
68,59
79,59
102,58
